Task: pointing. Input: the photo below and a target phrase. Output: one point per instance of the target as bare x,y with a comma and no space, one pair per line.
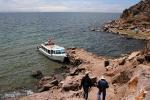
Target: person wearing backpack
102,85
86,84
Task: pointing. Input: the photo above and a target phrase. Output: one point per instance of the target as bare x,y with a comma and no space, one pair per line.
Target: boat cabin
53,49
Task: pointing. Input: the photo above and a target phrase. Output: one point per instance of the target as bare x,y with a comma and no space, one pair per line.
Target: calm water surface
20,33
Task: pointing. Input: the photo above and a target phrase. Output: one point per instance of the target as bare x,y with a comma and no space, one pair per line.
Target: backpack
102,84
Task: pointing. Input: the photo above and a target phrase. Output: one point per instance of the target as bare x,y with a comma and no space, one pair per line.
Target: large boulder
122,61
133,55
110,73
122,77
45,85
133,84
139,86
141,95
76,70
140,60
71,83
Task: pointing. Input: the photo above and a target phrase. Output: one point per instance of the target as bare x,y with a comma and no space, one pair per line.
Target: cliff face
138,14
142,8
134,22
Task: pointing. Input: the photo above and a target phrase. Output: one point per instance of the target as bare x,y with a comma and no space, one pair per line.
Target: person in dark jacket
102,85
86,84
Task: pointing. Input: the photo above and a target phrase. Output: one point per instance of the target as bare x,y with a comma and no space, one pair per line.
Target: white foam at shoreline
16,94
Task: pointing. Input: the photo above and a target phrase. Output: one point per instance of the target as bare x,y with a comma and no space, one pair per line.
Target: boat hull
54,57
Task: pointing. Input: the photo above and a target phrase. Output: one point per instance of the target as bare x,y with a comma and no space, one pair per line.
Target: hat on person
102,77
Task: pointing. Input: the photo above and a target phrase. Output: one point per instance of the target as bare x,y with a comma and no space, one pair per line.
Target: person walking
86,84
102,85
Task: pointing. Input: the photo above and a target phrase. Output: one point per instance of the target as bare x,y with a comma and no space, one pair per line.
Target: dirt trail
93,63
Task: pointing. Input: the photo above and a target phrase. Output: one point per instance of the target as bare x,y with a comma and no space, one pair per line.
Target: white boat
52,51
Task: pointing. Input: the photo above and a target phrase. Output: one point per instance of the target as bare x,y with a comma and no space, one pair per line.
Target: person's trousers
85,93
103,92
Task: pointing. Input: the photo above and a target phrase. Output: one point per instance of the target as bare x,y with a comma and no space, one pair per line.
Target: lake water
20,33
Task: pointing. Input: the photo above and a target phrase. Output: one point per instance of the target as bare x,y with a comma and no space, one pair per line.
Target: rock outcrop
138,15
37,74
133,23
71,83
138,10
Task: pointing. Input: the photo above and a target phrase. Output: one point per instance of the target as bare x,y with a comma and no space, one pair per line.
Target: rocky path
92,62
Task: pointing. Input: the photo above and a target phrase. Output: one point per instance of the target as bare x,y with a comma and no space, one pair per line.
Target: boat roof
53,47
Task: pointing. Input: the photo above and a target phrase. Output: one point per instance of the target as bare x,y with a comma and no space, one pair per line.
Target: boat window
42,47
52,52
49,52
58,52
62,51
45,49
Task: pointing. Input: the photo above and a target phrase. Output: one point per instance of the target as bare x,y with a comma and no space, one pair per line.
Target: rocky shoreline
125,32
134,22
128,33
128,77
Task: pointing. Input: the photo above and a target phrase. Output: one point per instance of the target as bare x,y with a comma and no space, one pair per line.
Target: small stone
106,63
37,74
147,58
45,87
54,82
